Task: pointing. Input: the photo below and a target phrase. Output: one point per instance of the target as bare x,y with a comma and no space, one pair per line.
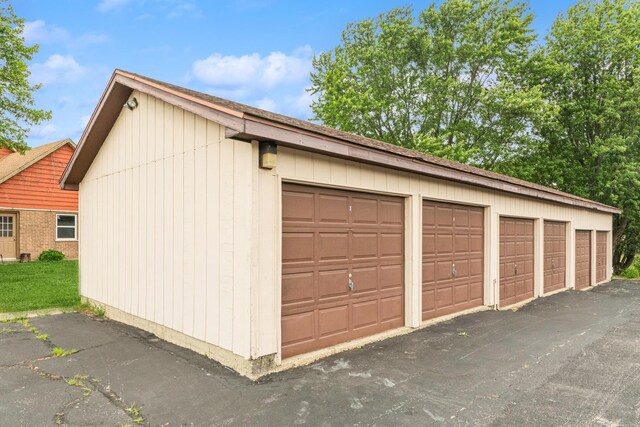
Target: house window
66,227
6,226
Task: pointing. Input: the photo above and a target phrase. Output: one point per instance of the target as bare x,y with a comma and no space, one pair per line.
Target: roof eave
261,129
244,126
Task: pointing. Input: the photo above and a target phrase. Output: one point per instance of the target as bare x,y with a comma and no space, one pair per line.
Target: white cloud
41,32
43,131
89,39
182,9
266,104
108,5
300,106
59,69
254,71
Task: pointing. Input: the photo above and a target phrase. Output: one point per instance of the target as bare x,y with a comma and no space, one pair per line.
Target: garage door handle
454,272
351,284
515,268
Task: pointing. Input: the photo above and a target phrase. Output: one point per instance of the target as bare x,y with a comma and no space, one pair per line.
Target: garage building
264,241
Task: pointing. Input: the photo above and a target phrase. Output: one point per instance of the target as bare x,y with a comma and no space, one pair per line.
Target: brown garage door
555,244
342,266
583,259
601,256
452,258
516,260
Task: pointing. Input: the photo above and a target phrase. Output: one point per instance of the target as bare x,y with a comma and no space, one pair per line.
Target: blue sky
251,51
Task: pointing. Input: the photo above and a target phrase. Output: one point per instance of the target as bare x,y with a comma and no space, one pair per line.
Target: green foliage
91,309
590,72
465,80
449,83
51,255
633,271
61,352
38,285
17,110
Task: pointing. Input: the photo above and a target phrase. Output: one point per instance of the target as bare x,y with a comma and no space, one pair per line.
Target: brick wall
38,233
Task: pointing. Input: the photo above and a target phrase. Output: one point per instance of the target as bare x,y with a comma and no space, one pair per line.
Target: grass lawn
36,285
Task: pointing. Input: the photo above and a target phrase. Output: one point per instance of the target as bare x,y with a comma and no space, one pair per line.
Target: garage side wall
165,220
316,169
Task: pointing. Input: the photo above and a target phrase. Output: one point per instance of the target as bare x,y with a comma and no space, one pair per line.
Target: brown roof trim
53,147
94,135
292,138
248,123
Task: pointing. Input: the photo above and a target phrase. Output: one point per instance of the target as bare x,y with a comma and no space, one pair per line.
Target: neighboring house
264,241
35,214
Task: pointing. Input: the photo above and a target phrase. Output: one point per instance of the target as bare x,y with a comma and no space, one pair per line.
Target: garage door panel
391,310
332,209
365,313
391,276
476,221
516,260
297,247
444,297
332,246
461,243
554,256
461,293
428,300
476,266
444,216
298,327
444,244
476,244
452,243
391,245
601,256
429,271
583,259
476,291
461,217
297,287
365,279
364,211
298,207
444,270
428,215
428,248
334,320
392,213
365,245
352,233
332,283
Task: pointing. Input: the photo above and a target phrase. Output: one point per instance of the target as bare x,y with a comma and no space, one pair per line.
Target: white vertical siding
163,207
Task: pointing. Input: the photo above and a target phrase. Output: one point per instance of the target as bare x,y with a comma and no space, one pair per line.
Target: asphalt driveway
572,359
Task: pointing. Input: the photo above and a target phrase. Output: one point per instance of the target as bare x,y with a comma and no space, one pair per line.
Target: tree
590,73
449,83
17,110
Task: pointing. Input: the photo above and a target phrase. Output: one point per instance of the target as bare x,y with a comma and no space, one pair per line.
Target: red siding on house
4,152
37,187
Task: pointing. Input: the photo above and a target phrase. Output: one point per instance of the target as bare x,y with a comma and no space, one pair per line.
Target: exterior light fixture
131,104
268,151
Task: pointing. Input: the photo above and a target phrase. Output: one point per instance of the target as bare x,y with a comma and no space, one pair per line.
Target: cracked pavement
569,359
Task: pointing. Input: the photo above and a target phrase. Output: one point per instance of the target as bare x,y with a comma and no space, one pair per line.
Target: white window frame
75,228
